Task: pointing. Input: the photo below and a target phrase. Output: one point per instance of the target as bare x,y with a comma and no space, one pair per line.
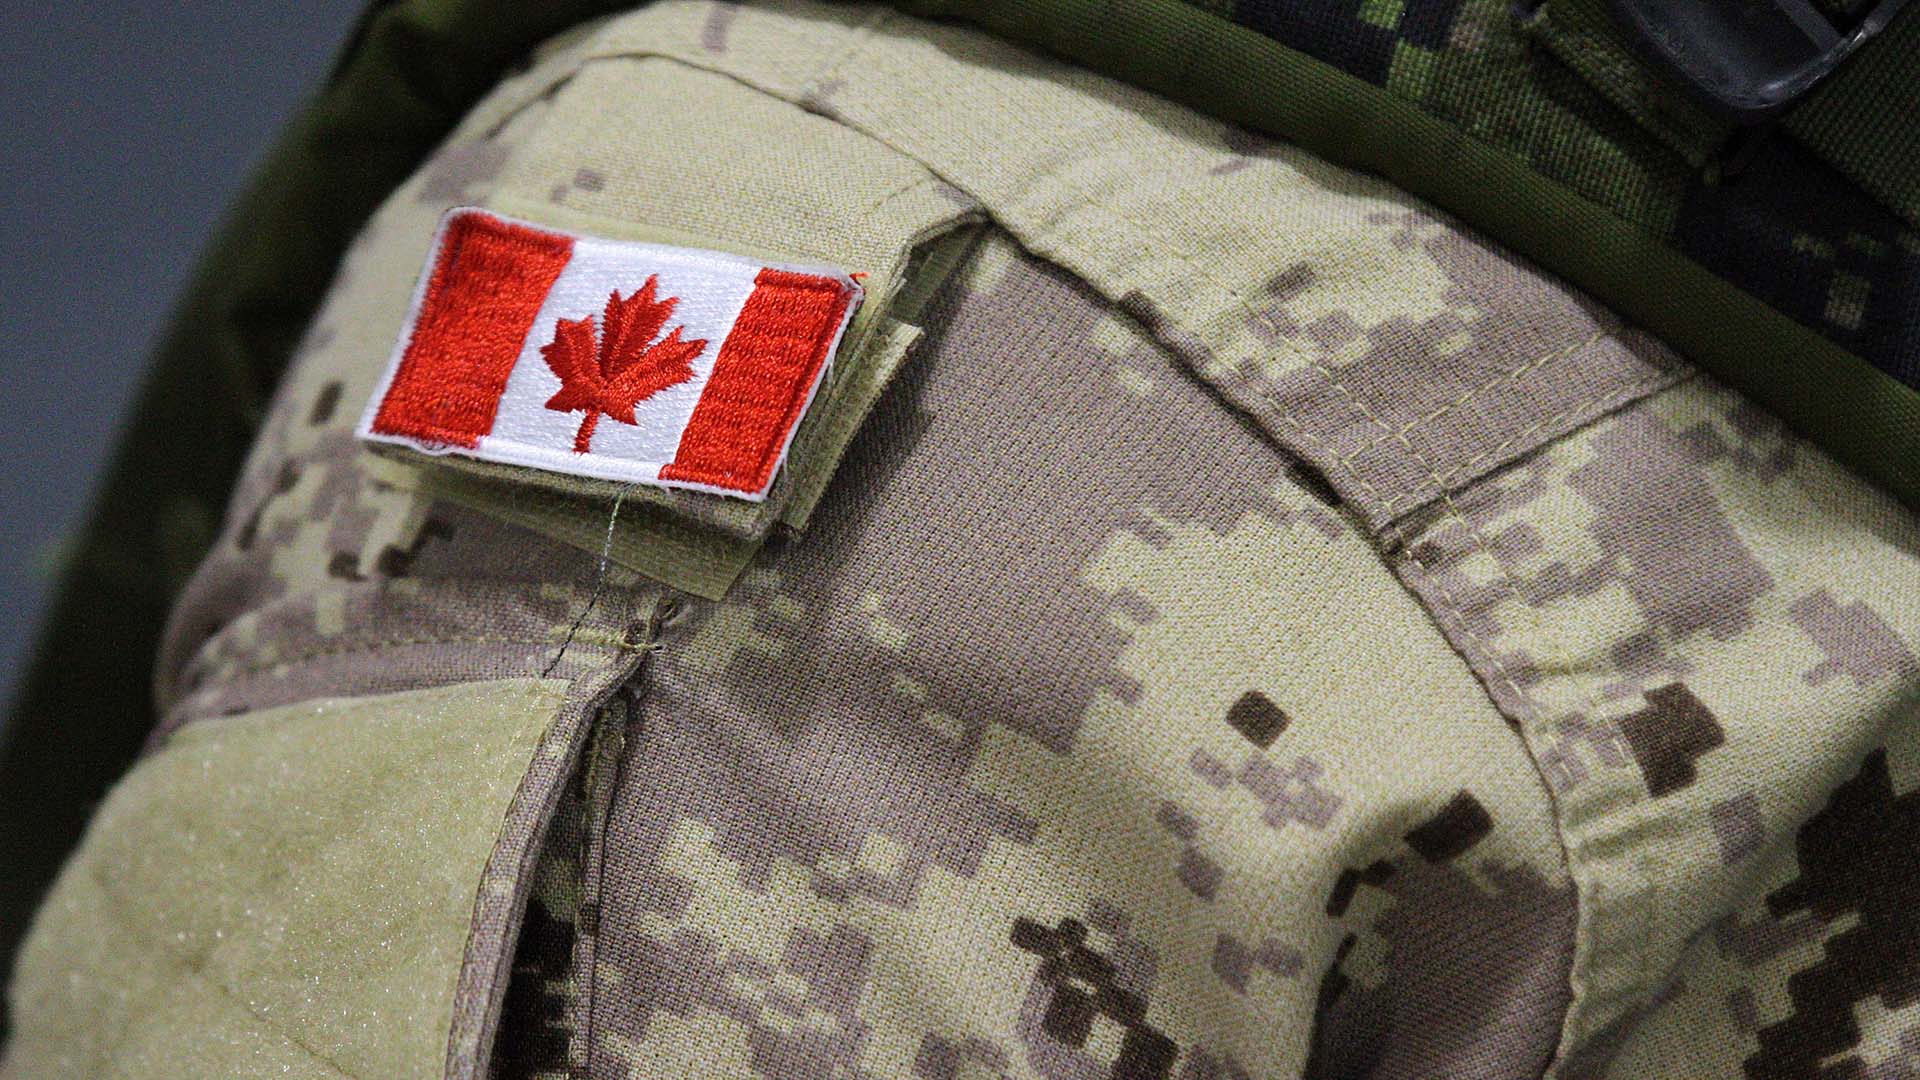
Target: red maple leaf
617,366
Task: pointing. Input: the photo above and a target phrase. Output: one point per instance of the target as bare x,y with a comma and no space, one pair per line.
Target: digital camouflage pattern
1532,122
1756,253
1120,782
1706,632
1261,628
1553,81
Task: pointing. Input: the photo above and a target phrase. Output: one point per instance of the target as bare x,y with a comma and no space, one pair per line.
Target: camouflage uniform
1227,619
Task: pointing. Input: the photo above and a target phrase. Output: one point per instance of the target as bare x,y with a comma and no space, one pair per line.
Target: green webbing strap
1864,121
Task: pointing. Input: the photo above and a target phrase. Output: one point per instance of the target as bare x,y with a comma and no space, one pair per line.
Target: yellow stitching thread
1524,369
1473,534
1452,606
1619,395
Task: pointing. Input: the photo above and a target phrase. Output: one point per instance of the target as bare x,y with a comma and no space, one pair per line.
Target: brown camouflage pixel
1003,716
1704,629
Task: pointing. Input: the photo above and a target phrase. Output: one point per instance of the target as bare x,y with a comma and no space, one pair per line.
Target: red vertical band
761,381
486,289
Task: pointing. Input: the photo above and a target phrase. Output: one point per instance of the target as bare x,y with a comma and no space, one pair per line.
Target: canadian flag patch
609,359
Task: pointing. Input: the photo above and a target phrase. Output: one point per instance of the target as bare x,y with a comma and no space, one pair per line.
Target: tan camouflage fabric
1228,621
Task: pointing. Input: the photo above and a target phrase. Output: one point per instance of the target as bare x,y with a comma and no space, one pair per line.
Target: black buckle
1749,59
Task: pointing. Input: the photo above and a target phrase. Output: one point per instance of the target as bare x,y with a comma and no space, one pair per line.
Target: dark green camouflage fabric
1554,84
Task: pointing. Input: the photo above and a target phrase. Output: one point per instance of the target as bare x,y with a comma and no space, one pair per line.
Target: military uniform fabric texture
1557,84
1778,262
1784,265
1248,625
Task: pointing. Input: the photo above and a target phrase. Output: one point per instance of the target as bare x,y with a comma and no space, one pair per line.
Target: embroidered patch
609,359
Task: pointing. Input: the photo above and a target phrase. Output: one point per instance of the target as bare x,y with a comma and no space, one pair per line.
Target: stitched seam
392,643
1515,374
1457,611
1480,545
482,894
1589,701
1449,611
1584,903
1140,230
1154,239
1287,347
1442,487
1503,670
1199,269
1454,511
605,51
1196,267
807,434
811,465
1617,395
1455,615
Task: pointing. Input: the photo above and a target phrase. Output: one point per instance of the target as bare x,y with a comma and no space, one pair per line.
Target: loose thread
599,580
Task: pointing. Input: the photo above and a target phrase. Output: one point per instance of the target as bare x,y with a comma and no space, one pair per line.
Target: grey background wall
124,131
